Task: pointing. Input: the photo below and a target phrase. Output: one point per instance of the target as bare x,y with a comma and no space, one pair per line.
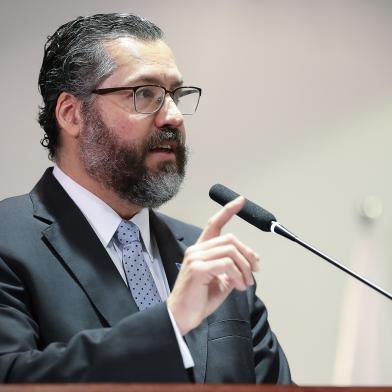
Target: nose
169,114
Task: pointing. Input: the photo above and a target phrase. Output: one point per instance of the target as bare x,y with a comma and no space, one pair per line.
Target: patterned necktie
140,280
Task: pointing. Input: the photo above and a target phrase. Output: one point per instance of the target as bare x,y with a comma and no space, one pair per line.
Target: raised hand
211,269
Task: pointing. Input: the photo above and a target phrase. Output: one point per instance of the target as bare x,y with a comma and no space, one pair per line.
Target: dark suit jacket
67,316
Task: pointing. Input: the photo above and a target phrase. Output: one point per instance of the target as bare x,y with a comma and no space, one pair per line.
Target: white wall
296,114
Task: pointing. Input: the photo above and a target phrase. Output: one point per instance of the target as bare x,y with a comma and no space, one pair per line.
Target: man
95,285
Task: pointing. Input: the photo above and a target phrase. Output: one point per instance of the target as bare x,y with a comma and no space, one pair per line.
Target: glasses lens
148,99
187,99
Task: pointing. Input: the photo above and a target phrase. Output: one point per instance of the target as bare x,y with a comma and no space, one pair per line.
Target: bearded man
95,285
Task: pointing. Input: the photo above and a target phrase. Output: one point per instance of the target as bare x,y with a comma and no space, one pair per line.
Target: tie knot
127,233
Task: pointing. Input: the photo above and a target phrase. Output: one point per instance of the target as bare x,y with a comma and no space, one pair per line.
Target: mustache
164,135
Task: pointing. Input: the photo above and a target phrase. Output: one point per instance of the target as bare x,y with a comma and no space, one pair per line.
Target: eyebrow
153,80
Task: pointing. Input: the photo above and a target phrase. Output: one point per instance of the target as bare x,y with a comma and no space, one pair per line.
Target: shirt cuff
185,353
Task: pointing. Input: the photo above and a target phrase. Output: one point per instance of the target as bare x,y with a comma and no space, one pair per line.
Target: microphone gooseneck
265,221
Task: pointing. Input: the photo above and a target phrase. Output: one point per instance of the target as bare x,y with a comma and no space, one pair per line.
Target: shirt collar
102,218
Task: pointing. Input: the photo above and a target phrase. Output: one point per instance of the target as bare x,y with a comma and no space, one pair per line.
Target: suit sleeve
134,350
271,366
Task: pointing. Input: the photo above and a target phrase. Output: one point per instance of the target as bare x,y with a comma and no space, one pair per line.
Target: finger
250,255
228,251
216,222
215,268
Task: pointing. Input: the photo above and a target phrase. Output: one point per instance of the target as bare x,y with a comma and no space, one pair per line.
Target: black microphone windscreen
251,212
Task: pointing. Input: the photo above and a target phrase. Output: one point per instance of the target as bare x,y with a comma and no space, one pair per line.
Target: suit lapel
77,246
171,248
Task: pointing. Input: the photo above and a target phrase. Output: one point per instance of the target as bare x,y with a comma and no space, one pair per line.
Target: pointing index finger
217,221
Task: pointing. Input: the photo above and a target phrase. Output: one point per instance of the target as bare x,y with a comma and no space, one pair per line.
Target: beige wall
296,113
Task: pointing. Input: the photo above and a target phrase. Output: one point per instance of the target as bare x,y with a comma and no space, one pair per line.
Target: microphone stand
277,228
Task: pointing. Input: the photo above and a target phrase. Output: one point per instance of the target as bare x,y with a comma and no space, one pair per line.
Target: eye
145,93
148,98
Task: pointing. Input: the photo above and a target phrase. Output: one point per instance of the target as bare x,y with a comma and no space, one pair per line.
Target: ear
68,114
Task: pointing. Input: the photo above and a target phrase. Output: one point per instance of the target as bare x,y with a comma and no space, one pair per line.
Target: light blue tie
140,280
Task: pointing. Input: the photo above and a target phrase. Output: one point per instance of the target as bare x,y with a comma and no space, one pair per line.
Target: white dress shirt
105,221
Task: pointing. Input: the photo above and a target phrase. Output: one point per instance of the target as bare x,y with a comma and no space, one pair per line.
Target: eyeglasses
149,99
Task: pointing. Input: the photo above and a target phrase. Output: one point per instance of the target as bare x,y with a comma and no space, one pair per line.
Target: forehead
138,61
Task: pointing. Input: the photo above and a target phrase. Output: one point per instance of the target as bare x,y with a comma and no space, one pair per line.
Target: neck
124,208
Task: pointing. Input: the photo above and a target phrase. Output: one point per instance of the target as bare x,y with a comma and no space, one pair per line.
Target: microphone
251,212
265,221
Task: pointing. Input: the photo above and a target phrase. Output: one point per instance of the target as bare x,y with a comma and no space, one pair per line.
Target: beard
121,167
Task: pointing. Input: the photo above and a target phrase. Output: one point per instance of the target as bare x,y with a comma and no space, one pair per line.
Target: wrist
177,316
